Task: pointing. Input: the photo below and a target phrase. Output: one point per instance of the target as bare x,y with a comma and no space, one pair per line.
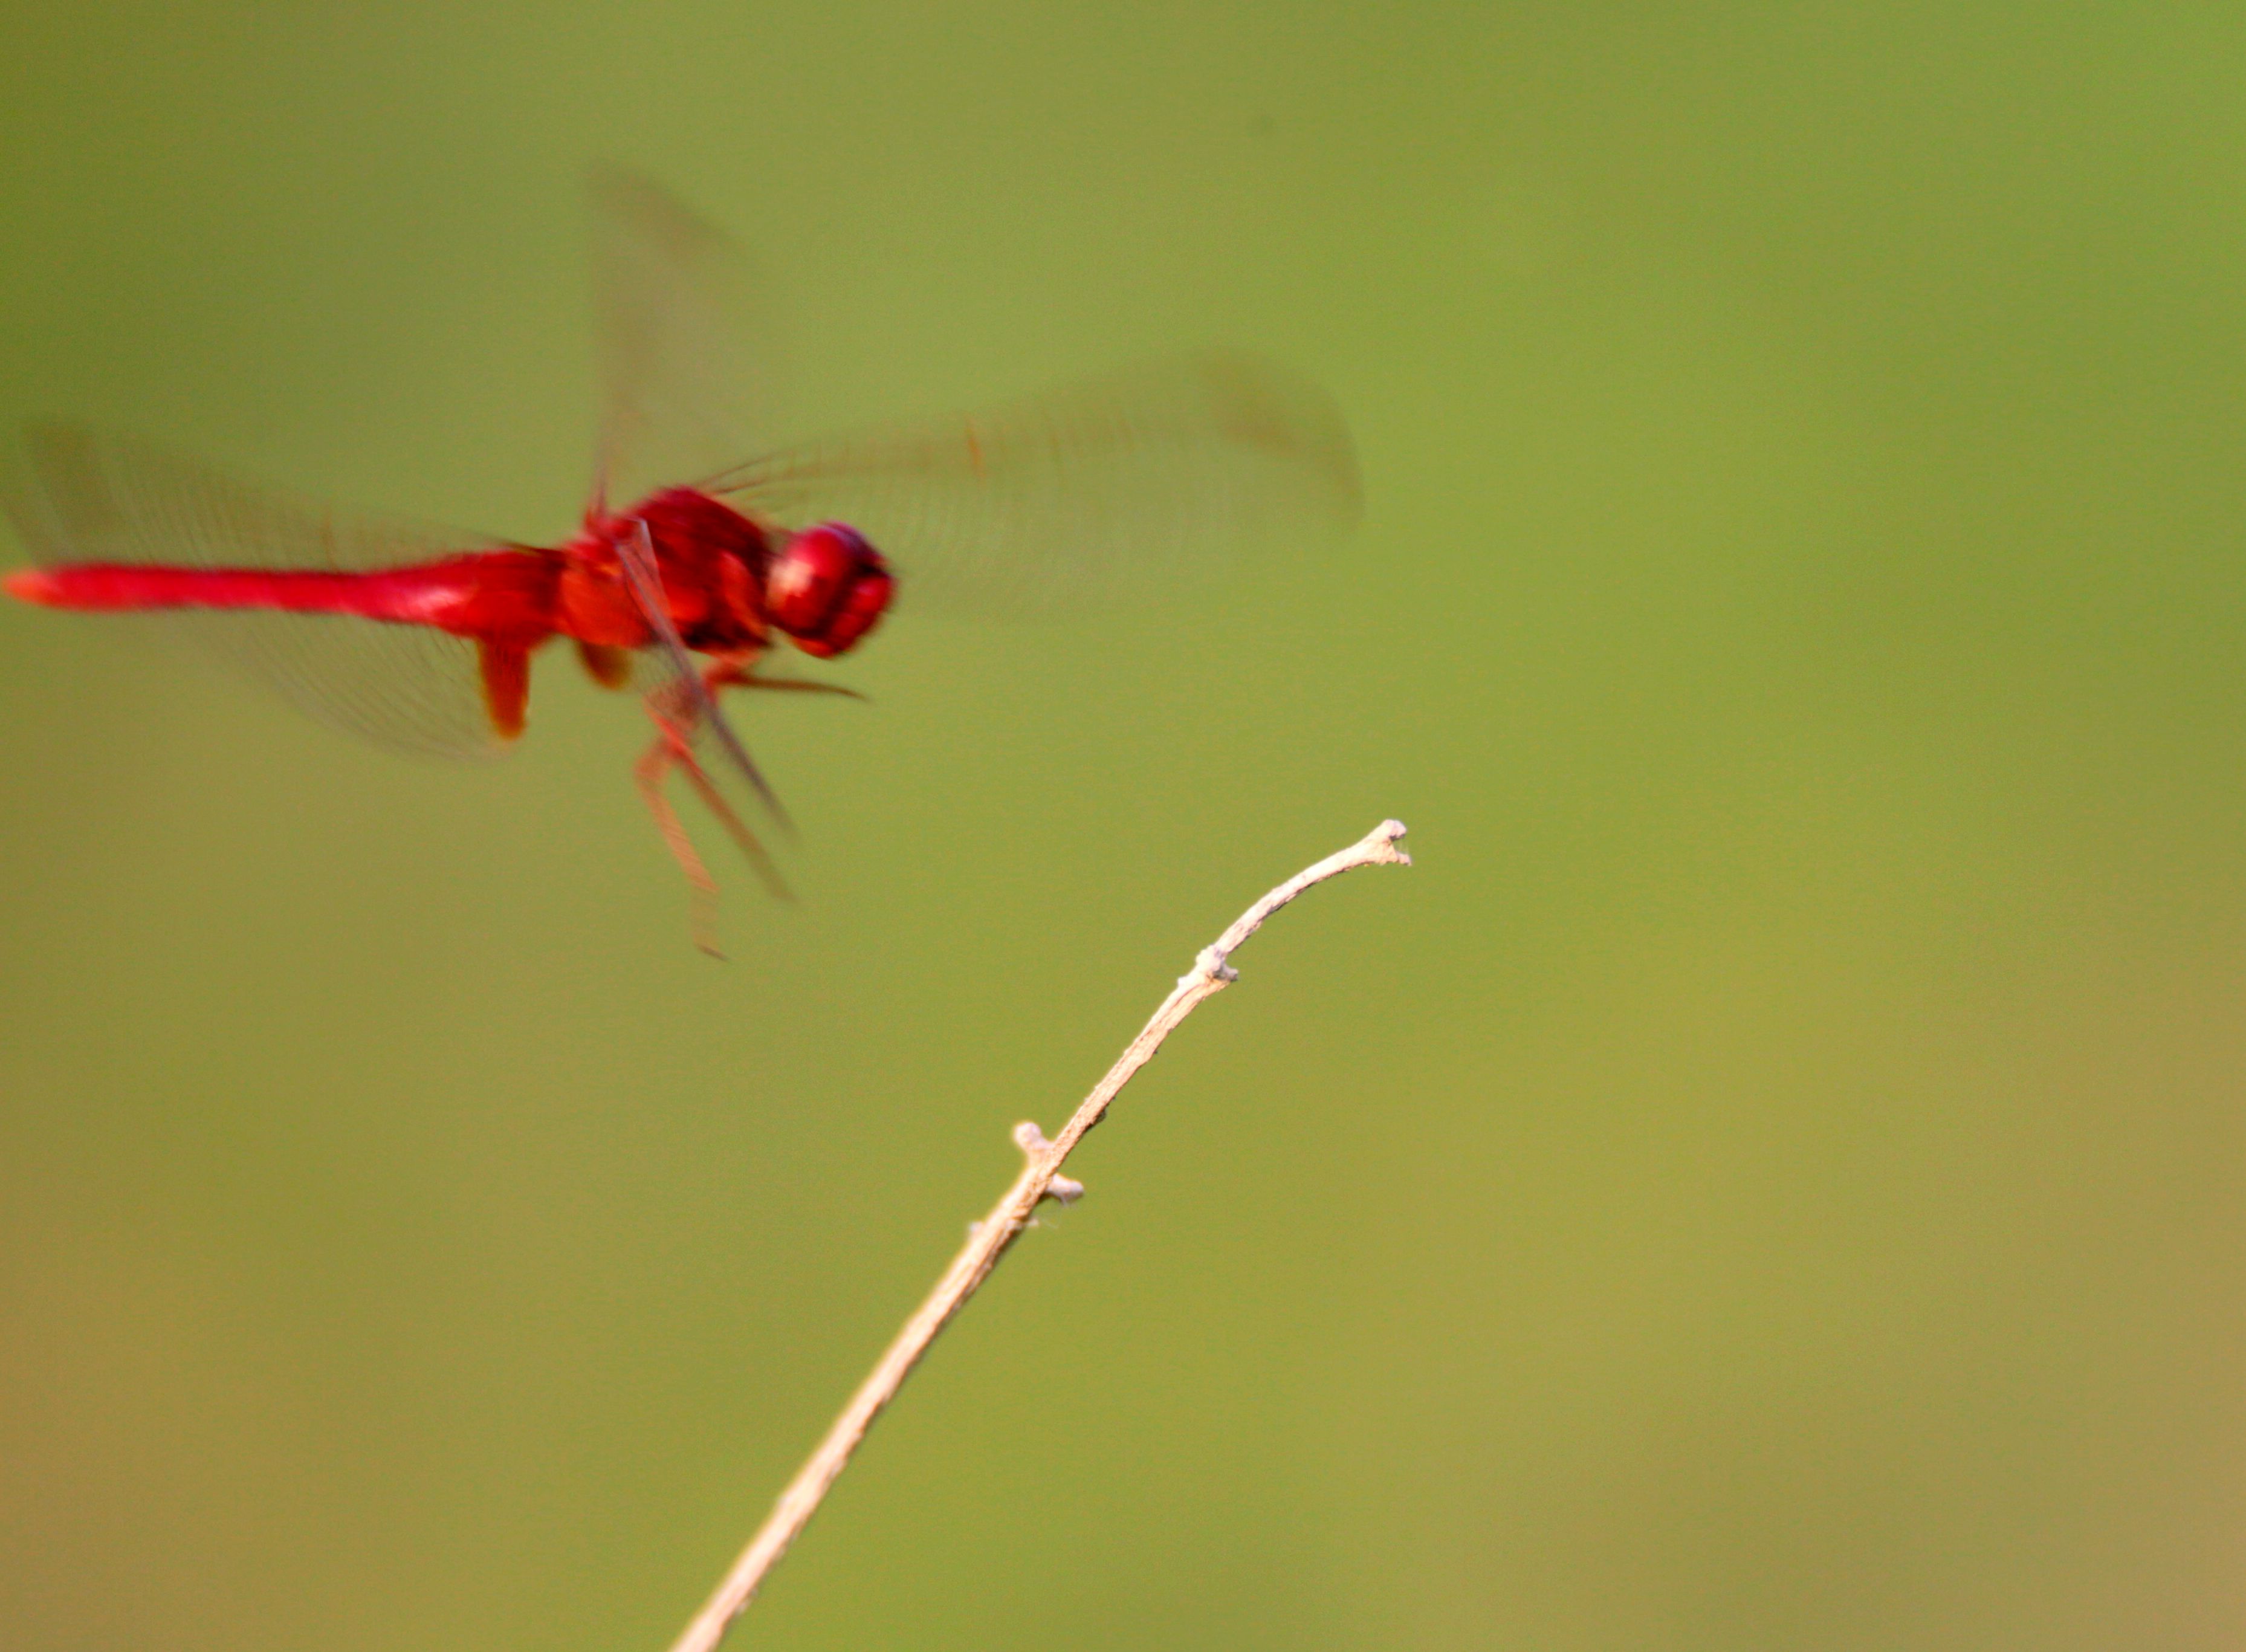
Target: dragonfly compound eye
826,589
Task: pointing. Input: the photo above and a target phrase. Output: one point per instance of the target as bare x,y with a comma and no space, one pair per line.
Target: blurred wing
1145,475
77,496
669,293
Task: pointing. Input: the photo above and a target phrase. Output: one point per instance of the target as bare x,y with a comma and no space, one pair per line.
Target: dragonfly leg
650,771
610,667
741,674
707,789
671,749
677,711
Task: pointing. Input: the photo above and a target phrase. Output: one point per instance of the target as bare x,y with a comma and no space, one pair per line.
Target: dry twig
1040,1180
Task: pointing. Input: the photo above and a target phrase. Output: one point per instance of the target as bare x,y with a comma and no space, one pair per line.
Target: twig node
1211,966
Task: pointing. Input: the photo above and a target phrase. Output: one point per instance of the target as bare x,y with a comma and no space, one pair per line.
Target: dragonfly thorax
712,561
724,585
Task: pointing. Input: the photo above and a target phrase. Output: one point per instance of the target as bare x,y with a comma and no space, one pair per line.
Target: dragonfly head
827,588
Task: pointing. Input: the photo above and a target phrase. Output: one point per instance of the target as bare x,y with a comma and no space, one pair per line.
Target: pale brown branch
989,1239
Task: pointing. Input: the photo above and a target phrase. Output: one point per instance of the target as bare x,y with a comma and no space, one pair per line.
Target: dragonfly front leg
730,674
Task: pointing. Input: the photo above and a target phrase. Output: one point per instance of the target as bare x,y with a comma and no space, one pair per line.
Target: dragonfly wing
1127,480
670,295
79,496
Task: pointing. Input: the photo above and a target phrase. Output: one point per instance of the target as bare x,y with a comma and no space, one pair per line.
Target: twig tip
1383,841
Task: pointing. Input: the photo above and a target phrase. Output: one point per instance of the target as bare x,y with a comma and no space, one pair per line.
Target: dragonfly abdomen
501,594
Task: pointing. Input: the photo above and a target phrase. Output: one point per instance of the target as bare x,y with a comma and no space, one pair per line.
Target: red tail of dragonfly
685,591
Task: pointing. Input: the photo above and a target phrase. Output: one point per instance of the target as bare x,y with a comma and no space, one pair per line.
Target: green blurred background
1773,1176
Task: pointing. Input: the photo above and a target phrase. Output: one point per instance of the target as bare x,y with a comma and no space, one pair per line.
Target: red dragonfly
430,632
